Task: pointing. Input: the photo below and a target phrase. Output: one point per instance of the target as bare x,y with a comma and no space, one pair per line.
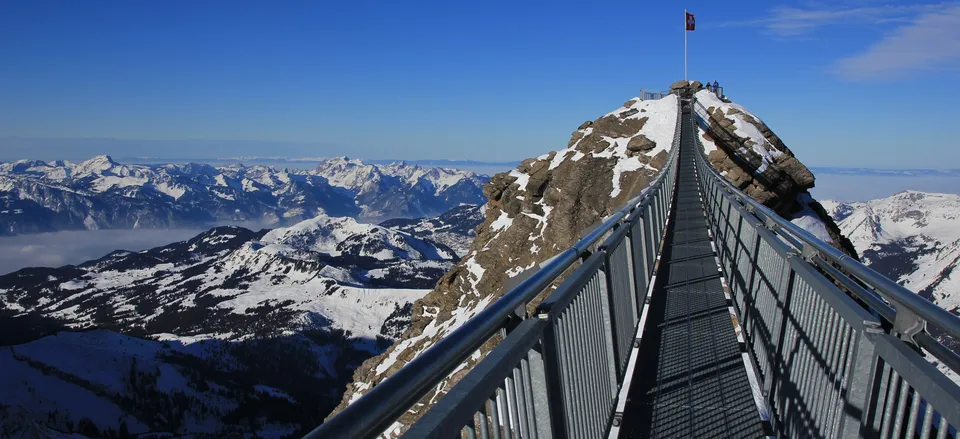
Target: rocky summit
541,208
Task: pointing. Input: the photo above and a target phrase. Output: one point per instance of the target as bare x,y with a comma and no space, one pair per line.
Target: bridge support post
640,270
543,392
857,412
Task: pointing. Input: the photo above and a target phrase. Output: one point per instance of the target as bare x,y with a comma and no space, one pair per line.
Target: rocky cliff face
539,209
753,158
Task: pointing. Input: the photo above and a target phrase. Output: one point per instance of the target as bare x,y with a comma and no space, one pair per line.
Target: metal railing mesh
829,365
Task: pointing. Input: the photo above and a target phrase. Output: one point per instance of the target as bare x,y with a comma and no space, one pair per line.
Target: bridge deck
690,379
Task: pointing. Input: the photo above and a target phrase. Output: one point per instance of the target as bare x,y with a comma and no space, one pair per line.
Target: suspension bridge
694,311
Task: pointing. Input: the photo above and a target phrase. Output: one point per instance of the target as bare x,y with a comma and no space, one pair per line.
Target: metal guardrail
647,95
580,339
830,366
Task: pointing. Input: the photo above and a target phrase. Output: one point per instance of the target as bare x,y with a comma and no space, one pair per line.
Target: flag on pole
691,22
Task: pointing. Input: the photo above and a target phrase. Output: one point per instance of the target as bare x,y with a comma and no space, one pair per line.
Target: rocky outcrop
534,212
747,152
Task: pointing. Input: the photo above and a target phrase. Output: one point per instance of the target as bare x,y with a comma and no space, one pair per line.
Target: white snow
742,128
808,220
502,222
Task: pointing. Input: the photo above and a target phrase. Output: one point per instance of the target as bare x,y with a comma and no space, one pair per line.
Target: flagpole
685,45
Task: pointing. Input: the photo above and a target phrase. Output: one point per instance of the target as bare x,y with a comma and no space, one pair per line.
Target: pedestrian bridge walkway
692,312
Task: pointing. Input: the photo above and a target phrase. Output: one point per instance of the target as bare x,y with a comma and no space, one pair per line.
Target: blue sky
844,83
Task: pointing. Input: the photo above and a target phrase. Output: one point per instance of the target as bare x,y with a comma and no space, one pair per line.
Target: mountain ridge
37,196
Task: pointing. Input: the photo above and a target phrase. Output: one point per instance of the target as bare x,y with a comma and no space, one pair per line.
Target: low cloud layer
73,247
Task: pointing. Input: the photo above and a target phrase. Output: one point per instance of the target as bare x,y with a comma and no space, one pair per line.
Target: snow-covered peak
96,165
902,215
337,236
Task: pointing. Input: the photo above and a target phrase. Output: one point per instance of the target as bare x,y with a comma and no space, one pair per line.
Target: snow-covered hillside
456,228
322,295
912,237
99,193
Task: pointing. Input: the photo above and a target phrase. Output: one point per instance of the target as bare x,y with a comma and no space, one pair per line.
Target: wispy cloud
929,43
792,21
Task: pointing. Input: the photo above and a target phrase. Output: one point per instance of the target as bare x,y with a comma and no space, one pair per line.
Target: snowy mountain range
99,193
232,331
912,237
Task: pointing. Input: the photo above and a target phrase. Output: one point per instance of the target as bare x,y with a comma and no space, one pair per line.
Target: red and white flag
691,22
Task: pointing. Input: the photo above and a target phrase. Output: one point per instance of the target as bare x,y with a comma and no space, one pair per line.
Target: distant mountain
456,228
911,237
233,331
100,193
887,172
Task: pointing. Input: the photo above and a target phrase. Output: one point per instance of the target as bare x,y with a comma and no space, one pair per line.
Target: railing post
608,322
774,374
866,371
639,250
651,239
545,394
552,376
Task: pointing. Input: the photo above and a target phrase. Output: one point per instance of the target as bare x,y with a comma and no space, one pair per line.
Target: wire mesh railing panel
581,336
763,311
911,398
823,345
623,304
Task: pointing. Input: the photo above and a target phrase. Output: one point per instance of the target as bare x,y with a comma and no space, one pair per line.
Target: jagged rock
612,126
777,179
630,103
585,125
629,113
592,143
796,170
574,138
641,143
494,188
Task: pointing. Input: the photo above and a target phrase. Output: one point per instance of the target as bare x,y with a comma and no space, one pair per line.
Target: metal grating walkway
690,379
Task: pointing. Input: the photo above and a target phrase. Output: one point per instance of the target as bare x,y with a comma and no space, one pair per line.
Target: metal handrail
374,412
812,246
